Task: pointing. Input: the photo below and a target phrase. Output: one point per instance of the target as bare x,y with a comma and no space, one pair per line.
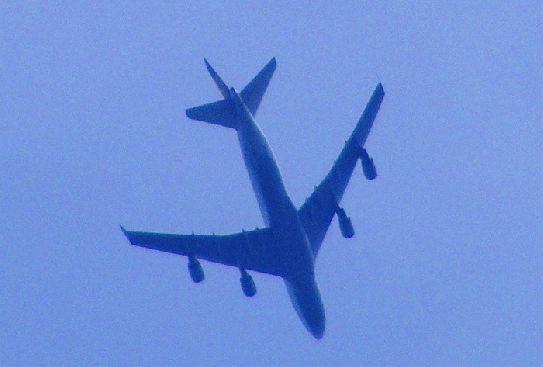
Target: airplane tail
221,112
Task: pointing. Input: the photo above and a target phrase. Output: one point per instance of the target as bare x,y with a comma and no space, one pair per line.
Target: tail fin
221,112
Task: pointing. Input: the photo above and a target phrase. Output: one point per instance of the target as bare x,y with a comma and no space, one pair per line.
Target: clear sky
446,265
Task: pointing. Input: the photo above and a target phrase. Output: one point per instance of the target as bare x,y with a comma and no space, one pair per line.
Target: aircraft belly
280,214
263,171
278,211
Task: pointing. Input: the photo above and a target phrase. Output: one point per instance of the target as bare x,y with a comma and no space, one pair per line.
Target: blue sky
446,266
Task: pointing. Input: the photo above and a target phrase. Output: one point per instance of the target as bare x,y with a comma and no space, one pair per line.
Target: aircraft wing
251,250
318,210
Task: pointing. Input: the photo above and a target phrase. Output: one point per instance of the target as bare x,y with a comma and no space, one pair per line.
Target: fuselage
281,216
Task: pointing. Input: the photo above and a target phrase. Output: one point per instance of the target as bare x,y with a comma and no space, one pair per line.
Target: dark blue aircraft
289,245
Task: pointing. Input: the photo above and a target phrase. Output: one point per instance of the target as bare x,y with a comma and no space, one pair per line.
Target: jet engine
367,165
345,224
195,269
247,283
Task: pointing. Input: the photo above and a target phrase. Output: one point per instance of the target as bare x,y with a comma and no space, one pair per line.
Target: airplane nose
317,329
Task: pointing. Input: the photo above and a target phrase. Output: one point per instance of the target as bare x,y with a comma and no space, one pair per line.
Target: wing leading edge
250,250
318,210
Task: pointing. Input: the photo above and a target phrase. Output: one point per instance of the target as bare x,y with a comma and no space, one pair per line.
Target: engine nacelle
195,269
345,224
367,165
247,283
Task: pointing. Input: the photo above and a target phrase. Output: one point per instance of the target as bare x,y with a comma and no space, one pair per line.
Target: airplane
289,245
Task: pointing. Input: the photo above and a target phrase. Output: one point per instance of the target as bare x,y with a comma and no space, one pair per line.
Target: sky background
445,268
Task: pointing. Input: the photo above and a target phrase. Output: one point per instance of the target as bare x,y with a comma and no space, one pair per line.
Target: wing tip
125,232
379,89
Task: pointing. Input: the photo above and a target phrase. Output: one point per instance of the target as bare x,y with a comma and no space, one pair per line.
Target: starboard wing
251,250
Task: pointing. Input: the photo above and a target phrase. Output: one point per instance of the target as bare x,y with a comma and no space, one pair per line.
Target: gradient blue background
446,266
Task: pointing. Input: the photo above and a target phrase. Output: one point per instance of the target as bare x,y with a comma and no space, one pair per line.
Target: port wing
251,250
318,210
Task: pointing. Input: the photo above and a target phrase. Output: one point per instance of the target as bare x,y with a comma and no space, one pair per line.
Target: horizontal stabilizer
254,91
217,79
222,112
218,113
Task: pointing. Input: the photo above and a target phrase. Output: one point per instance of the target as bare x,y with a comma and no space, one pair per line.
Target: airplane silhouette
289,245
